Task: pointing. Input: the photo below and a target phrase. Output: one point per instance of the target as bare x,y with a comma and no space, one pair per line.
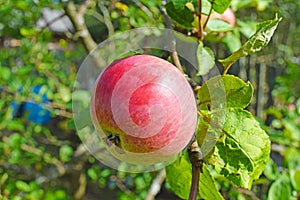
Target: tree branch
77,18
106,18
156,185
196,159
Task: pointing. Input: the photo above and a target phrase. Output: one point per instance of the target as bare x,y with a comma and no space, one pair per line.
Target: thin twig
169,25
47,157
80,192
106,18
200,32
156,185
248,193
175,57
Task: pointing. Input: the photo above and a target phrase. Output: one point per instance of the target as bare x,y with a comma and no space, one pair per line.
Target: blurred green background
41,157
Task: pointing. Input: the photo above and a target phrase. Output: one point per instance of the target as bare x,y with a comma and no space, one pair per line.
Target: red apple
144,109
227,16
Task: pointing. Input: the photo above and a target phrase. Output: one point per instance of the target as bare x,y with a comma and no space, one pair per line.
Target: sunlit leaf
244,150
233,91
205,58
257,42
280,189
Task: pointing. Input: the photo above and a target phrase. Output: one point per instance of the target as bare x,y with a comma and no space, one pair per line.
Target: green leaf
180,4
291,130
232,41
206,59
262,37
271,170
229,88
255,43
64,93
182,17
244,150
247,28
219,25
280,189
23,186
206,5
65,153
291,156
92,173
5,73
212,94
179,176
295,178
220,5
28,31
239,93
207,187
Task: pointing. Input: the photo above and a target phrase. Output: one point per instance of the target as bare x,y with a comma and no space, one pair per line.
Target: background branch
106,18
156,185
77,18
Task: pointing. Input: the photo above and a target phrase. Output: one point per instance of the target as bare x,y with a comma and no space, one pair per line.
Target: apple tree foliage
243,148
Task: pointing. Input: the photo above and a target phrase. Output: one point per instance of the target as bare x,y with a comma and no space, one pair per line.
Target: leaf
214,96
219,25
180,4
262,37
23,186
244,150
206,5
27,31
227,89
182,17
291,156
220,5
207,187
205,58
280,189
5,73
247,28
271,170
64,93
232,41
255,43
65,153
295,178
179,176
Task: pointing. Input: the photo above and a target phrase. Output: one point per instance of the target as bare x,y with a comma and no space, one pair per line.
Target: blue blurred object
34,112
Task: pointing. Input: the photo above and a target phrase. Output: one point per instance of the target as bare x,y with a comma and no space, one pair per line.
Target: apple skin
227,16
147,105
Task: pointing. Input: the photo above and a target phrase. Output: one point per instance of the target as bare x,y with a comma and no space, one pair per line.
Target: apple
143,109
227,16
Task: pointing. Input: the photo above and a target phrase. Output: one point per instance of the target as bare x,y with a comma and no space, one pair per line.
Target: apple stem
196,159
